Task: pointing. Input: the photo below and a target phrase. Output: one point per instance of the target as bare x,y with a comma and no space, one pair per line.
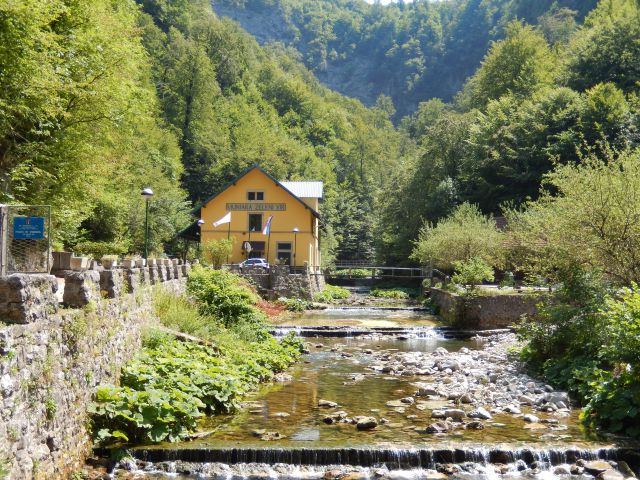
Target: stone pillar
27,298
163,273
132,279
169,270
177,271
186,268
80,288
111,283
154,275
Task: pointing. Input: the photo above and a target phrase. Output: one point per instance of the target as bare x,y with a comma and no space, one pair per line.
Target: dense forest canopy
410,51
101,98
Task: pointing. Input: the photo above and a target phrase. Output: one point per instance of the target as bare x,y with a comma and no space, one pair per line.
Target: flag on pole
223,220
267,227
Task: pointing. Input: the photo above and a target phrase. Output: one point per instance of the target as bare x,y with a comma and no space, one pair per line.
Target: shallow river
339,370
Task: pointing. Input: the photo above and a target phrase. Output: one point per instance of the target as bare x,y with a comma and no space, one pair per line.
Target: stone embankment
52,356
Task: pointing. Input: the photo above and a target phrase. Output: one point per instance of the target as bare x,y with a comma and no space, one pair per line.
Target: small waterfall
391,458
348,332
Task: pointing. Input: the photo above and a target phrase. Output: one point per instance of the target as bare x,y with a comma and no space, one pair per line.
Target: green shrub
294,304
166,389
353,272
216,252
396,293
589,343
472,272
330,293
223,296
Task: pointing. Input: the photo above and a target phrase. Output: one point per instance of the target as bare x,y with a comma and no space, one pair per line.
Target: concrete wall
52,358
483,312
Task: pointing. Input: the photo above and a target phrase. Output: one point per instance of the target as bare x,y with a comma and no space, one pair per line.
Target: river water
283,432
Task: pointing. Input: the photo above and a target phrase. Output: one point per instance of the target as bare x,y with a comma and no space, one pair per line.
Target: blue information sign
28,228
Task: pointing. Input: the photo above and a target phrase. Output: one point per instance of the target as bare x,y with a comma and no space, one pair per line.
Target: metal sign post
4,228
26,239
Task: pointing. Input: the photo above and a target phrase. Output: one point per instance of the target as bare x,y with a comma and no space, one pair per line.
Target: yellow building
250,200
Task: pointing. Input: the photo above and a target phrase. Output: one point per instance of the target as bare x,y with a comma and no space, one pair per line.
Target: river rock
530,418
625,469
454,413
282,377
439,427
438,414
475,425
480,413
327,404
526,400
512,409
426,390
610,475
408,400
596,467
366,423
466,398
562,470
280,415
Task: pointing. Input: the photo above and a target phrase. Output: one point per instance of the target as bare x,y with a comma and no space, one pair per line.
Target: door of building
284,253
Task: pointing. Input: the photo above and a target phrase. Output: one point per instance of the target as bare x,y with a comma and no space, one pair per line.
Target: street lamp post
295,245
147,193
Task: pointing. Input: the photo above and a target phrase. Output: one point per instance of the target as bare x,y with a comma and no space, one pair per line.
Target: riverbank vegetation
332,293
172,384
554,149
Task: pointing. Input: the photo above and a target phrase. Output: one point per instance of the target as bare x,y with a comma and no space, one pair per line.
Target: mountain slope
410,52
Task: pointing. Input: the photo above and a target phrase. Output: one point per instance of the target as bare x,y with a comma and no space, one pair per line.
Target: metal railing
380,272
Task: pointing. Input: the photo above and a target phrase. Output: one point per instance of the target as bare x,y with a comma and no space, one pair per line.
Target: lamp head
147,192
201,222
296,230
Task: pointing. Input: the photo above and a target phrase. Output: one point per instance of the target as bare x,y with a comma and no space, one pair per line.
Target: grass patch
331,293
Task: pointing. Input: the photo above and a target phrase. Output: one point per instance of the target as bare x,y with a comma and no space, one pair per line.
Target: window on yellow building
253,196
255,222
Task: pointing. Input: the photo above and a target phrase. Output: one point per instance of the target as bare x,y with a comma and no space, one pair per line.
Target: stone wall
483,312
51,359
278,282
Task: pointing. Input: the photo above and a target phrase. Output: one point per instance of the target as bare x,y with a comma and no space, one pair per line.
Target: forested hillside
408,51
529,108
103,98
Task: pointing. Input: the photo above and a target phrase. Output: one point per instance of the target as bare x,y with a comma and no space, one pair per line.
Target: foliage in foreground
588,341
168,387
171,384
331,293
224,296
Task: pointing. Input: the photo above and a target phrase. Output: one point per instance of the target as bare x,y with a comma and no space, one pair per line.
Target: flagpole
268,244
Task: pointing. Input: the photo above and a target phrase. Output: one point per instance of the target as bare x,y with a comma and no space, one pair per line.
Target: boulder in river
327,404
366,423
480,413
439,427
454,413
596,467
